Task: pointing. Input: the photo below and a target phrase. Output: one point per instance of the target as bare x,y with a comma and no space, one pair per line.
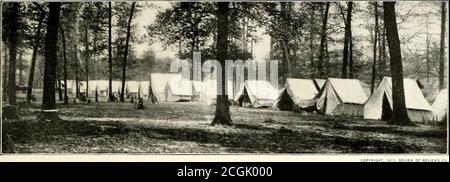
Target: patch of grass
184,128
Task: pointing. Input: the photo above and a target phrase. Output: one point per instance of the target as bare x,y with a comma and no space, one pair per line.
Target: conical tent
158,83
178,89
297,94
101,86
341,97
319,83
209,91
91,87
144,88
256,93
116,87
379,105
70,86
440,106
132,87
82,86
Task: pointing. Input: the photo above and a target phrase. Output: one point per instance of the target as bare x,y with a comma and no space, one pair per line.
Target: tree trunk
96,94
222,114
110,95
20,66
124,73
327,60
271,48
244,36
77,78
60,90
5,74
374,63
399,115
323,36
66,98
381,49
286,60
33,59
350,56
13,54
51,38
86,44
251,49
346,40
311,37
442,46
427,51
383,67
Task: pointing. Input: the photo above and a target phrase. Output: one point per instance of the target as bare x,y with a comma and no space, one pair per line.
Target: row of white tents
347,97
332,96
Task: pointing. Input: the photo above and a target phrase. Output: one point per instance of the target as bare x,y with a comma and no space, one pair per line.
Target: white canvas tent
132,87
341,97
100,85
379,105
297,94
136,88
144,88
82,86
208,92
440,106
116,87
178,89
158,83
70,86
256,93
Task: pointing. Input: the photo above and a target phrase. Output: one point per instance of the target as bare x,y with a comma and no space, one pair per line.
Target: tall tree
37,40
375,39
86,57
442,46
347,40
285,9
222,114
110,95
5,73
66,98
13,34
124,69
20,67
323,37
399,114
312,36
427,51
51,38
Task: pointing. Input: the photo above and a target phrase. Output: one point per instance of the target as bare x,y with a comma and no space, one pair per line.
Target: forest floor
185,128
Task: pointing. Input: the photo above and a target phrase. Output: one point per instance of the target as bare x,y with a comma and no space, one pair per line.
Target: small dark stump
89,101
82,98
9,112
49,115
33,98
140,104
132,100
114,98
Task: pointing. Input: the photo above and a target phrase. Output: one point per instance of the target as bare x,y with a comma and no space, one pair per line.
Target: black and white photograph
224,77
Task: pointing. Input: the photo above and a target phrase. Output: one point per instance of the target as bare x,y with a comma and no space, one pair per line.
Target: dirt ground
185,128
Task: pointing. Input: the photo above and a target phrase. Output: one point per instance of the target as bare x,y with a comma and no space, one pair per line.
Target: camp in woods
316,77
